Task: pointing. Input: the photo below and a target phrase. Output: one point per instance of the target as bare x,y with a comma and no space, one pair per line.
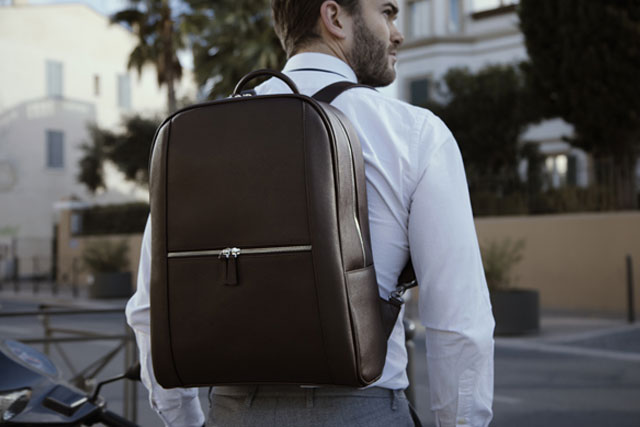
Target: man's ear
334,19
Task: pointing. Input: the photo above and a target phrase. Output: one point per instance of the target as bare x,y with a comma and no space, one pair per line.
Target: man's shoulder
393,110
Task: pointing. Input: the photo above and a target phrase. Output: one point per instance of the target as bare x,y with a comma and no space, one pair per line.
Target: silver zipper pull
224,256
232,269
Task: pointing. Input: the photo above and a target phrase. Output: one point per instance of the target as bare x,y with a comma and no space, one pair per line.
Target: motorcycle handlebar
111,419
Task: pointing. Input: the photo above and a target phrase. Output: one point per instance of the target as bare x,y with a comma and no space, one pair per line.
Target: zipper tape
239,251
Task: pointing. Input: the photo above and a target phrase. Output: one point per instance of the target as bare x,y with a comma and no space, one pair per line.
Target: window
419,17
454,16
96,85
419,92
561,170
76,223
124,91
54,79
55,149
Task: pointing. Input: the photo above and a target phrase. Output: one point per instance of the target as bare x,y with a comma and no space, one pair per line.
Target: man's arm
454,300
178,406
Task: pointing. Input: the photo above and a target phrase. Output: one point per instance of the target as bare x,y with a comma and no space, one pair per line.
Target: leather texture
281,179
161,343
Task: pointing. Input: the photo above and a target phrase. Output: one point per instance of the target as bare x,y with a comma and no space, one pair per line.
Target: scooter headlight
13,402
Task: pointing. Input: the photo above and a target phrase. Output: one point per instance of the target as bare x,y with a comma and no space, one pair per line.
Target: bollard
130,349
14,273
631,316
127,363
74,277
34,275
47,332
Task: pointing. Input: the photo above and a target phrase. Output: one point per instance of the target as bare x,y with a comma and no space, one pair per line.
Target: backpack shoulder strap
331,92
407,279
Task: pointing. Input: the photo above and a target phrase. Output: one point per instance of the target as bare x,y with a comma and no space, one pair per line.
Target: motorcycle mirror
133,373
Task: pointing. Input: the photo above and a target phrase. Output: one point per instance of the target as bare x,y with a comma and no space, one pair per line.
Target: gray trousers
288,406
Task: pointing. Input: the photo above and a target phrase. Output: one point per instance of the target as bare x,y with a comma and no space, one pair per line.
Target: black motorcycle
32,392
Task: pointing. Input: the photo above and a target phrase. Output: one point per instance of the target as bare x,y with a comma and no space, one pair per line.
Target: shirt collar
320,61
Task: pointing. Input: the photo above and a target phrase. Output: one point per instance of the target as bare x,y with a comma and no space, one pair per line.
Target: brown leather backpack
262,271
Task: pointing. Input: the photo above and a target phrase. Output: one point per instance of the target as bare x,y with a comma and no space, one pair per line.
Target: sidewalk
46,293
579,370
588,336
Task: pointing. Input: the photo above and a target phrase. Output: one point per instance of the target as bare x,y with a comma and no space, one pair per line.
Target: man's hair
295,21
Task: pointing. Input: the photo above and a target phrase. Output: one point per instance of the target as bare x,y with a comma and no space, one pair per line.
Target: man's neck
326,49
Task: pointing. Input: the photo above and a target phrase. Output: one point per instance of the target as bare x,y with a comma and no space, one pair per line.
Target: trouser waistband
295,390
250,393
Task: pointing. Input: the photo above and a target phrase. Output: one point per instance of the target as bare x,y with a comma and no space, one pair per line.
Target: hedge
129,218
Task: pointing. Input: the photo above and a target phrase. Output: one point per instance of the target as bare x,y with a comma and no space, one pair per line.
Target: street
579,371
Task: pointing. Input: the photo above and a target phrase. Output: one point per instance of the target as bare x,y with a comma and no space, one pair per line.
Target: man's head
360,32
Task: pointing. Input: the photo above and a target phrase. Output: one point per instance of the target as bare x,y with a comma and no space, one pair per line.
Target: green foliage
106,256
499,259
535,167
487,111
159,38
585,63
91,163
125,218
128,151
230,38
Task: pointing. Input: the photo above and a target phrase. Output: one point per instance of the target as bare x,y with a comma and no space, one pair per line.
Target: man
418,199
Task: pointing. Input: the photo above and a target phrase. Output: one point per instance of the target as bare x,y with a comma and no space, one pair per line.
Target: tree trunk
169,66
171,95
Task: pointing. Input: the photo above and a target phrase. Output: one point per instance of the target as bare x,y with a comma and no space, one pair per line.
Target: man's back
418,205
418,199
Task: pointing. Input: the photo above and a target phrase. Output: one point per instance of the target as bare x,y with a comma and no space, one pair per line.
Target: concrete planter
111,285
516,311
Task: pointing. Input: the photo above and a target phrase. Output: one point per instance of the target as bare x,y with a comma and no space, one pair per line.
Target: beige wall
576,261
70,248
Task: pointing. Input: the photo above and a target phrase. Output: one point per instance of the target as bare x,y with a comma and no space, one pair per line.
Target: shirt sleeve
453,297
178,407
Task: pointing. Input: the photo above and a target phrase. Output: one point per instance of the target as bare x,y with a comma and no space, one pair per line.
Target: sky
106,7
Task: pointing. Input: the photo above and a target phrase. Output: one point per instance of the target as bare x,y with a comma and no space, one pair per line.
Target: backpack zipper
355,199
230,257
227,252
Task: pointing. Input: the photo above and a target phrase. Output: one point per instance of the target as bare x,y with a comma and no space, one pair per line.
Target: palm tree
128,150
159,38
230,38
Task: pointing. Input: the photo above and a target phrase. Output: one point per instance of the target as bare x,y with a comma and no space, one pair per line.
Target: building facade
444,34
64,66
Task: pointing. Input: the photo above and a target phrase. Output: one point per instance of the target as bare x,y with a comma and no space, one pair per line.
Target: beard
369,57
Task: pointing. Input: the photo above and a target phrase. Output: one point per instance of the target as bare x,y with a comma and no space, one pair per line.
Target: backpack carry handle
258,73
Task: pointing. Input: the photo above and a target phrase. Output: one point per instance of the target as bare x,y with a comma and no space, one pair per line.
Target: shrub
106,256
499,259
126,218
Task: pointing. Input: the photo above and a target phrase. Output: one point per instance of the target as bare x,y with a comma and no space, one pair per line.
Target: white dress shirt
417,198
